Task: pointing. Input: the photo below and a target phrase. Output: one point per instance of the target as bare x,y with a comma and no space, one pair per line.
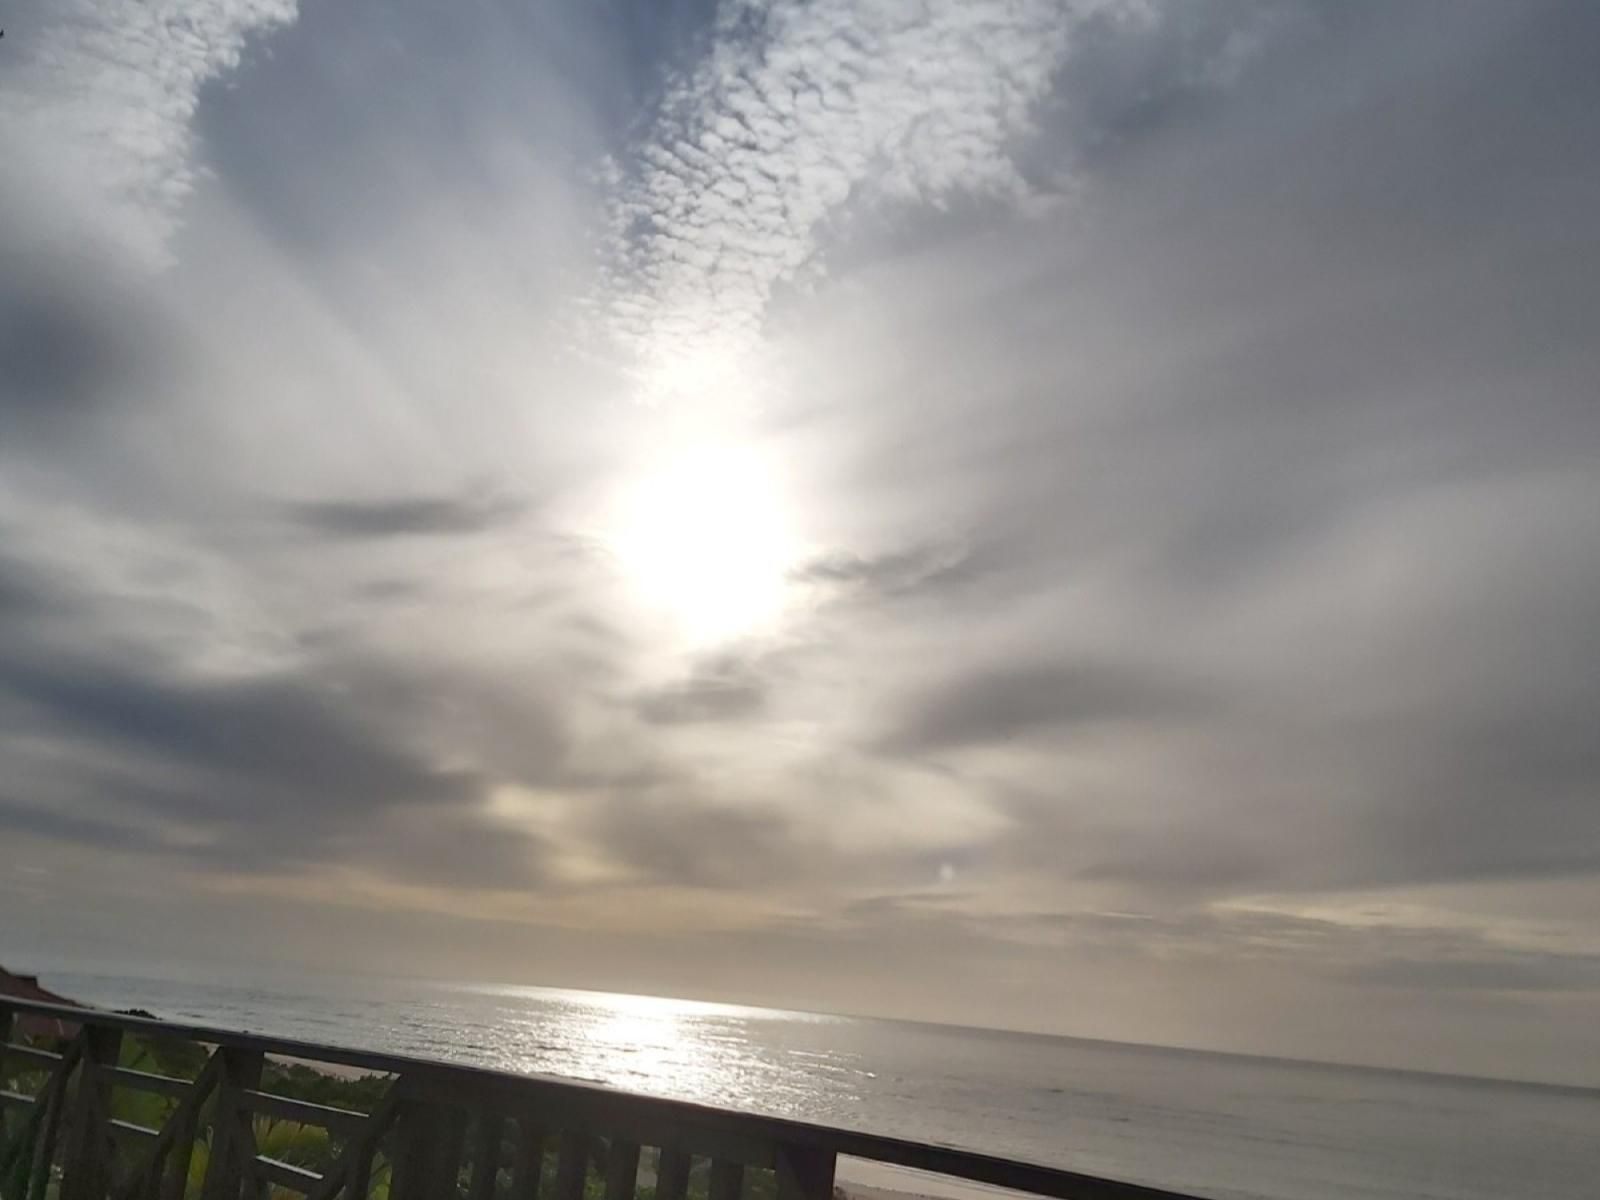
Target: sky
1074,515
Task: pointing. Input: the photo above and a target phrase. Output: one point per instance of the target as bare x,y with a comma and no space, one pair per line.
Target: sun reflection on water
687,1049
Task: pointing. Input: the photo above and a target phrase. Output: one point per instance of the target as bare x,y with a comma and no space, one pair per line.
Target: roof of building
27,987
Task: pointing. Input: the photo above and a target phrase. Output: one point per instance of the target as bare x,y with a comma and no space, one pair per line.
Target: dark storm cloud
404,516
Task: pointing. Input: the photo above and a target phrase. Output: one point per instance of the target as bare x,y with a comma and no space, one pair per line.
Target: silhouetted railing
434,1131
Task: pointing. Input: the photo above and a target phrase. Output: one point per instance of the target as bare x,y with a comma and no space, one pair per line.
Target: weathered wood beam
527,1167
427,1151
53,1096
232,1135
5,1047
727,1179
86,1169
145,1081
572,1165
274,1170
622,1170
672,1175
342,1121
488,1134
805,1173
174,1142
15,1050
171,1158
352,1171
133,1129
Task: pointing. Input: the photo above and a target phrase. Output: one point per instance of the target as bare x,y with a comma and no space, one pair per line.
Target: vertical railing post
428,1141
5,1036
486,1155
232,1134
358,1175
444,1181
672,1175
86,1169
622,1169
572,1165
805,1173
727,1180
409,1151
527,1164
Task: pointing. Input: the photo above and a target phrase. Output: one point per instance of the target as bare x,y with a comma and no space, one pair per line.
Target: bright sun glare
704,537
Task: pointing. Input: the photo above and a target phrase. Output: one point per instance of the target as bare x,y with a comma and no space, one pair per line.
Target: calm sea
1218,1125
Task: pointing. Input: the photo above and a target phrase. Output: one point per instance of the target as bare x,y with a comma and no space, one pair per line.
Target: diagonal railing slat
21,1157
54,1100
176,1139
352,1170
232,1132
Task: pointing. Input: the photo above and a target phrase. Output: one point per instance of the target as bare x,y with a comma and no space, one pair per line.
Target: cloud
725,688
675,838
1512,972
285,734
101,99
1219,537
797,112
402,517
1390,952
63,345
23,593
1004,704
917,571
317,769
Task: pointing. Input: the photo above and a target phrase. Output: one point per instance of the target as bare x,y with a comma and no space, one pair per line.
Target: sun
703,537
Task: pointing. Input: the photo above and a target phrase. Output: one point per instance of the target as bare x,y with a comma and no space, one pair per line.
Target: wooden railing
436,1131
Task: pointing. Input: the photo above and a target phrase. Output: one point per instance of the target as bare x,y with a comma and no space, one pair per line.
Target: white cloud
797,112
101,105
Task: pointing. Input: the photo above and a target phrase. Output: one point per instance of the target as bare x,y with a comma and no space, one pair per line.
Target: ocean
1218,1125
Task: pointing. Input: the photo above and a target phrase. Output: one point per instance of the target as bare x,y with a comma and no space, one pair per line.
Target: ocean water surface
1221,1126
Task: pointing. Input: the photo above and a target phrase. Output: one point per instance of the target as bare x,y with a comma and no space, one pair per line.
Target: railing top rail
508,1087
